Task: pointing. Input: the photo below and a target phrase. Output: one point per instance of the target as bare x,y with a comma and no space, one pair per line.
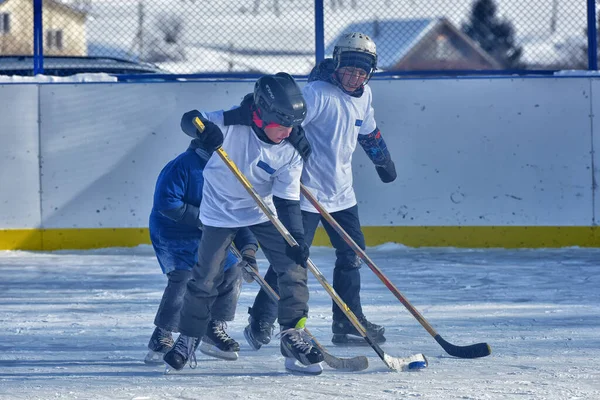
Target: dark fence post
592,35
38,38
320,31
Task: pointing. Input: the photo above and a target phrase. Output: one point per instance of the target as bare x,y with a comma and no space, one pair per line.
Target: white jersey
333,122
272,169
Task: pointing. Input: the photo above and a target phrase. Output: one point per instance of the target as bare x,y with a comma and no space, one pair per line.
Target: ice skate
345,334
160,342
301,356
182,352
217,343
257,332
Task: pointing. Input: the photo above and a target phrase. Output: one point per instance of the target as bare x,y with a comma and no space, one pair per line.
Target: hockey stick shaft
292,242
471,351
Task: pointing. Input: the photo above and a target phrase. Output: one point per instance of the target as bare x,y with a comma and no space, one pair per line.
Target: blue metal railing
319,37
592,35
38,38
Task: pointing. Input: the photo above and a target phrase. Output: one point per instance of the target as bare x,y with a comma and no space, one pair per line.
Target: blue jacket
174,224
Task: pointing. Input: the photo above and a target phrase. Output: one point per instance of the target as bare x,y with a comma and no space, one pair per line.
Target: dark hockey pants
207,275
346,274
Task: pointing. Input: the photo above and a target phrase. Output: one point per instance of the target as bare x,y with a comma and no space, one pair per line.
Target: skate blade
215,352
253,345
153,357
294,366
347,340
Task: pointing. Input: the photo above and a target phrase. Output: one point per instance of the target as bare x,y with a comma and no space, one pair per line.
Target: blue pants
346,274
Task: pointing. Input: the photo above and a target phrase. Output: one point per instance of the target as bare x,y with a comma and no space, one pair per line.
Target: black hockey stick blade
472,351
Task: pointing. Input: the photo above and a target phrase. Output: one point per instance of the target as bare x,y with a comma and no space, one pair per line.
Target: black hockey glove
210,139
298,139
187,123
387,172
249,260
299,253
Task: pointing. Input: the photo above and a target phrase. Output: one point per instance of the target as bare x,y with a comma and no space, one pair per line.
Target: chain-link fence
265,36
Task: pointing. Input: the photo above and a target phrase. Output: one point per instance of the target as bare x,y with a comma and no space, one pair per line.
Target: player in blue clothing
175,232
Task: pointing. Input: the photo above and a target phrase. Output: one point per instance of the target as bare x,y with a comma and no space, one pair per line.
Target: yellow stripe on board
412,236
477,236
20,239
60,239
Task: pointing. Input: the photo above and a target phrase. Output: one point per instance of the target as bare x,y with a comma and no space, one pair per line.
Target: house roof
59,3
394,38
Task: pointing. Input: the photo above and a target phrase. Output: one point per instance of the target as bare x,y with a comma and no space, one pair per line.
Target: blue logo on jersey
266,167
358,122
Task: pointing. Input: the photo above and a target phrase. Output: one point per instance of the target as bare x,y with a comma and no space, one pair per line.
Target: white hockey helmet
356,49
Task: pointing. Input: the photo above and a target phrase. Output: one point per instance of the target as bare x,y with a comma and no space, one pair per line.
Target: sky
75,325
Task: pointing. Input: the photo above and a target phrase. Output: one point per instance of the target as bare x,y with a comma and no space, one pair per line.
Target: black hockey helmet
278,99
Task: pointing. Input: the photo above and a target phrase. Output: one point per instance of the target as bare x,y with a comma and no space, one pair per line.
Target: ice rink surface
75,325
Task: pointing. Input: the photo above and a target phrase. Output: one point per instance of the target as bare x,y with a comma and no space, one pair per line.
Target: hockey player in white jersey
339,116
272,164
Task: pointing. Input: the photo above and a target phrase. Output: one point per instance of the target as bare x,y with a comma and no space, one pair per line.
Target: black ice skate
297,346
217,343
345,334
257,332
183,350
160,342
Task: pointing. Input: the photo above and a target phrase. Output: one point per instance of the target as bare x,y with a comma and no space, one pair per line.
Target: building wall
55,16
72,25
20,38
504,162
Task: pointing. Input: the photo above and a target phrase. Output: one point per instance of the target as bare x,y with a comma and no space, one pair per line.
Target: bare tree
336,4
170,26
276,8
166,44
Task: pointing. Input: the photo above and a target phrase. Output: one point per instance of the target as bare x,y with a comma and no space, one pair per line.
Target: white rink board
101,160
595,84
489,152
481,152
19,163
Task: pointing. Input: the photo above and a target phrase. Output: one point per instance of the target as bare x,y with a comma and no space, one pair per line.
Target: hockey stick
416,361
357,363
470,351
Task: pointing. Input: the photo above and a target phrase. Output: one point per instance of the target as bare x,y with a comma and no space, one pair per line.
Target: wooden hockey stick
471,351
413,362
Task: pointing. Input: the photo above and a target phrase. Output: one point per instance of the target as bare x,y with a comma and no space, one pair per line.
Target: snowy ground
74,325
